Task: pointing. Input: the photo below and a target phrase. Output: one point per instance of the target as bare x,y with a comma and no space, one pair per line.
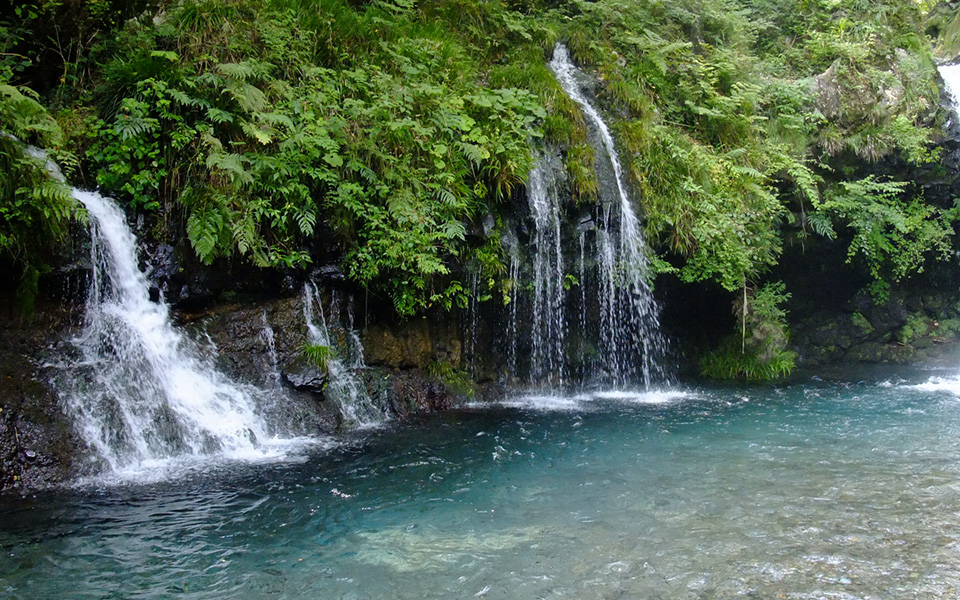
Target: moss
947,328
862,323
583,176
917,326
457,382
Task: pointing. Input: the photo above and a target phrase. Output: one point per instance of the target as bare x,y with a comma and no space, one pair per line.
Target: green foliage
917,326
728,363
890,235
862,323
722,117
393,149
317,355
457,381
760,351
35,208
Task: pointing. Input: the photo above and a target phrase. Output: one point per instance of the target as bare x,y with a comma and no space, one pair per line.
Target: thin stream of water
632,344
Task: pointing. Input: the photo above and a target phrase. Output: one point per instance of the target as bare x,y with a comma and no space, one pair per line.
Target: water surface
813,490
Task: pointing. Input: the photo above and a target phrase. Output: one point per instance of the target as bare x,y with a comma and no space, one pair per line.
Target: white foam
940,384
543,402
154,470
586,401
645,397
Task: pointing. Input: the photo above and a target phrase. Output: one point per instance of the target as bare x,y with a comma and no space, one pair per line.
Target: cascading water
141,392
548,325
951,83
344,361
629,316
470,329
514,324
269,340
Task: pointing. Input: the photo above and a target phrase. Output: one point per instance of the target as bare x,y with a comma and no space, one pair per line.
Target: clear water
820,490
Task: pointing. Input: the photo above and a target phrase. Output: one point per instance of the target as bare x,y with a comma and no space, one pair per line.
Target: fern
203,229
821,225
318,355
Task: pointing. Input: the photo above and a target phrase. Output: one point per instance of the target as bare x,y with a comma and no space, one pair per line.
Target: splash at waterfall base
39,448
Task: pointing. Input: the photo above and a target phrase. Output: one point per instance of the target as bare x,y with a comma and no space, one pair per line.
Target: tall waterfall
951,82
548,324
142,391
344,362
630,342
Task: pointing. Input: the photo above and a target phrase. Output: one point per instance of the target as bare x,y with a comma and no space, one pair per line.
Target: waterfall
269,340
547,325
470,326
951,83
630,339
344,362
141,391
514,323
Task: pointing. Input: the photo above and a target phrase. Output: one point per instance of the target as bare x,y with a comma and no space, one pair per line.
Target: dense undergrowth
268,130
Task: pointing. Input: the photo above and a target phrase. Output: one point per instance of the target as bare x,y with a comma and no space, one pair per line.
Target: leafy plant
890,235
317,355
35,207
457,381
760,352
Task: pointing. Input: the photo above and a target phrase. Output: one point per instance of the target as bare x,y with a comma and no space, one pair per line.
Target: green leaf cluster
269,128
891,236
760,352
35,208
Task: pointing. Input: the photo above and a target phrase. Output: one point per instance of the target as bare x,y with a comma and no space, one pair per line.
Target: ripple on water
851,491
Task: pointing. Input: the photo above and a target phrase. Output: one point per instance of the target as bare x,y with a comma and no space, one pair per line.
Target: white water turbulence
548,325
141,393
344,362
629,315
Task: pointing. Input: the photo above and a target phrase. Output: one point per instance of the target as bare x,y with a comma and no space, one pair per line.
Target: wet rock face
37,444
303,375
907,329
262,342
826,90
413,344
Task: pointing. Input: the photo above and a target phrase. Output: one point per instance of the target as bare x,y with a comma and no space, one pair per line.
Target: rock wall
37,444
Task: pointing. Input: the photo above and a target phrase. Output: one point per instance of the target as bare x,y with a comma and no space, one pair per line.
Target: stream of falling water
344,362
631,342
548,327
141,392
